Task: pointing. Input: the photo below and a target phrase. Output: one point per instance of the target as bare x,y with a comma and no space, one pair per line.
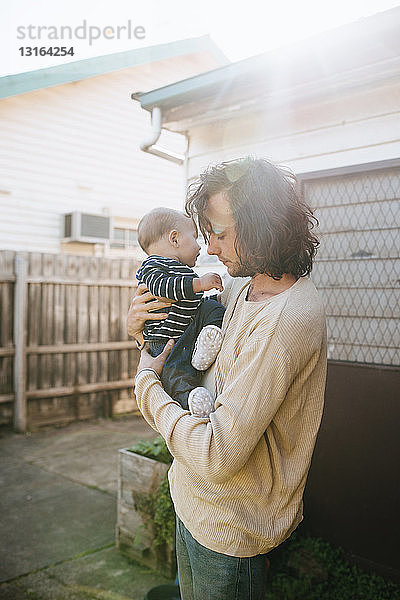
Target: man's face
223,234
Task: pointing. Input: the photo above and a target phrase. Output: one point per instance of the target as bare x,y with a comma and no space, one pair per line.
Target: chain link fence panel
357,268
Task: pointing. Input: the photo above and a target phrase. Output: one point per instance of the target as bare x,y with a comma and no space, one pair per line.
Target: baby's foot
207,346
200,402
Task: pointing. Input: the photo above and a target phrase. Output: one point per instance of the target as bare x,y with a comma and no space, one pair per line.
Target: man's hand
140,311
148,362
206,282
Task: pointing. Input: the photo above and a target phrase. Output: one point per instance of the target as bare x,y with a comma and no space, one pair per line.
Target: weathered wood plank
58,358
70,332
4,398
6,337
82,333
125,299
93,272
20,316
48,307
104,321
85,347
86,388
46,334
114,371
104,324
7,259
34,319
8,351
115,317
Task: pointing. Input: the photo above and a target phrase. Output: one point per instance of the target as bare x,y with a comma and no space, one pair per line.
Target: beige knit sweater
238,477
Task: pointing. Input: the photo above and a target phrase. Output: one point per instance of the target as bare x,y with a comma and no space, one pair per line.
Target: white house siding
357,268
356,127
76,147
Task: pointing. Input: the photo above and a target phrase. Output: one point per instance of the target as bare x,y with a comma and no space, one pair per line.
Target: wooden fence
64,350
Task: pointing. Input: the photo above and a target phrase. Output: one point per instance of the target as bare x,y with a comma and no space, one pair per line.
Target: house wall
76,147
350,128
352,493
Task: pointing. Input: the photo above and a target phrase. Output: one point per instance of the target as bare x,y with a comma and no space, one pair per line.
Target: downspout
149,145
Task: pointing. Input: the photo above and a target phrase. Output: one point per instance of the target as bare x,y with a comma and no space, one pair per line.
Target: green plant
155,449
164,515
307,568
157,509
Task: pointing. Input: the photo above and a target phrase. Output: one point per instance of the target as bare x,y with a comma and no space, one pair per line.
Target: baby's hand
209,281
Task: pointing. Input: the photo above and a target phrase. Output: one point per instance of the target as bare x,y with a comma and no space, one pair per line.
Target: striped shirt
169,278
238,478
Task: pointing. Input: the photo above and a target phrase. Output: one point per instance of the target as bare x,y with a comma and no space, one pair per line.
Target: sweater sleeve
161,282
218,447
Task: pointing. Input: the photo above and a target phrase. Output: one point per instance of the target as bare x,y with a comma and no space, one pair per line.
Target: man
238,476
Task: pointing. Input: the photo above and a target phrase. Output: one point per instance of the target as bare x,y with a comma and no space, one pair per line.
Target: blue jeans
178,376
208,575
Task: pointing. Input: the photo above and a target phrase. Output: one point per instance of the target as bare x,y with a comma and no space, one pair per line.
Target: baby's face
188,249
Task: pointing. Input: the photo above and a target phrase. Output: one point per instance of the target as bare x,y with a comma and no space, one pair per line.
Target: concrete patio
58,510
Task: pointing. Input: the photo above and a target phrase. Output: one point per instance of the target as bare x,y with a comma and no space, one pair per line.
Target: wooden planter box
139,478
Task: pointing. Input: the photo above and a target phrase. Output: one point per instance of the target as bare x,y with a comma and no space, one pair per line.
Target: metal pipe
149,145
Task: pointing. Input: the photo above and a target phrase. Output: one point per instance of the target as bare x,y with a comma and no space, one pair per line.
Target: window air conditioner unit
91,229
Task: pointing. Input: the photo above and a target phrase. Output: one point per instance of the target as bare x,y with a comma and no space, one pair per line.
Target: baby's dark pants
178,376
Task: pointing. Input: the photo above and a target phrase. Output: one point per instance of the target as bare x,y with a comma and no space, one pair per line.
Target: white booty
207,346
200,402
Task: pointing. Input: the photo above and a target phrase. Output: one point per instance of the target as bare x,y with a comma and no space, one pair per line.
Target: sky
240,30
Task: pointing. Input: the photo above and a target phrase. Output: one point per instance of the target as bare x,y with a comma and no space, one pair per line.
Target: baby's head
170,233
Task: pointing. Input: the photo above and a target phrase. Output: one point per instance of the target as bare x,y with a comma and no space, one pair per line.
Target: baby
169,238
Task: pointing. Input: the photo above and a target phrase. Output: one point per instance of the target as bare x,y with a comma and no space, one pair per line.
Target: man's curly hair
273,224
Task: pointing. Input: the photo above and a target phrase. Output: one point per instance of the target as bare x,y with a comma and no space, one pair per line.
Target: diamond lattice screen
357,269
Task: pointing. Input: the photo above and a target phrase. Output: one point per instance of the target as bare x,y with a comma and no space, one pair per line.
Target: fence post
20,306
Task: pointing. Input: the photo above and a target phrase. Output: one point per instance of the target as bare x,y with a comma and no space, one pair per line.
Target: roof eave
203,110
348,63
20,83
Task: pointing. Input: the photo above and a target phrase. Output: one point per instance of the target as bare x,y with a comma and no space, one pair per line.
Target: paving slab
83,452
39,586
103,575
109,571
58,501
45,518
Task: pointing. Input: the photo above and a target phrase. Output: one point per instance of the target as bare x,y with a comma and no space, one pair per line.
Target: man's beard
238,270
